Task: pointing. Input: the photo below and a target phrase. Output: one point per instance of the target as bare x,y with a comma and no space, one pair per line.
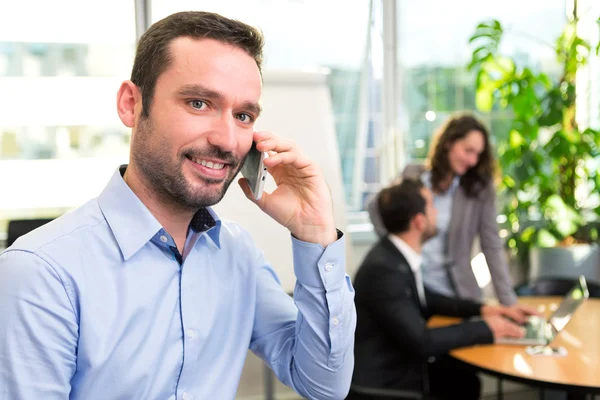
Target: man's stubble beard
165,176
429,233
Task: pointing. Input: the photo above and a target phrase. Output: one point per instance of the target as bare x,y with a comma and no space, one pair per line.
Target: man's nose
224,133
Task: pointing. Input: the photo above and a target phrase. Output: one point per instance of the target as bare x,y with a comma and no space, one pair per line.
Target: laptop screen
572,300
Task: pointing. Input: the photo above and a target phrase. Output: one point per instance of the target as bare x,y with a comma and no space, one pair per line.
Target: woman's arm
493,248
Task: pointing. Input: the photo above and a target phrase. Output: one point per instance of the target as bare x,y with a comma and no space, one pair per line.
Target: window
61,63
433,52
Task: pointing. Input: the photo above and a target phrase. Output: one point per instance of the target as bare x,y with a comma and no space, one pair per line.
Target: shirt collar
413,258
454,185
133,225
426,179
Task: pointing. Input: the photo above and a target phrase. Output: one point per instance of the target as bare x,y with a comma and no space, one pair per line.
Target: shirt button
164,239
186,396
172,397
335,321
328,267
191,333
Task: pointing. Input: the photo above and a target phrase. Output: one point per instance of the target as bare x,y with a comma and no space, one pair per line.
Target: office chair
20,227
367,393
553,286
359,392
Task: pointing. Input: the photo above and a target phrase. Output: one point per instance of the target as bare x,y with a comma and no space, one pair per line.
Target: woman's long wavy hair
477,177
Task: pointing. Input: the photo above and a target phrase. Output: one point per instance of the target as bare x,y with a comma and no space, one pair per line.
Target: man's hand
518,313
302,201
503,328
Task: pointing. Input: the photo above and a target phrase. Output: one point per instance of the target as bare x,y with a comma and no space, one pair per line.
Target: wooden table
578,371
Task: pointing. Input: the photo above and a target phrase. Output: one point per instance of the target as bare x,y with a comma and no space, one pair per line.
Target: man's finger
297,160
514,330
274,143
529,310
514,314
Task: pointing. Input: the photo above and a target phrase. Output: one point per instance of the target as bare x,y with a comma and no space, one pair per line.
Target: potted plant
550,186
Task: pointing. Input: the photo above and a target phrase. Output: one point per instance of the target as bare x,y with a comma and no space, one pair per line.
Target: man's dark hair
399,203
153,56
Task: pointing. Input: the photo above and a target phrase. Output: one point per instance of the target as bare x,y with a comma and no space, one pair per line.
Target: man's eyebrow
199,91
203,92
253,107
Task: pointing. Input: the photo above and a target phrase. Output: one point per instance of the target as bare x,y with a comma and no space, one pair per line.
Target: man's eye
197,104
245,118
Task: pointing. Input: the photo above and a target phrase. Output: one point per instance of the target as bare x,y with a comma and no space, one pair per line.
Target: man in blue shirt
143,292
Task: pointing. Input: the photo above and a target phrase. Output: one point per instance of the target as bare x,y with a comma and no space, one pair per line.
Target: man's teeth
209,164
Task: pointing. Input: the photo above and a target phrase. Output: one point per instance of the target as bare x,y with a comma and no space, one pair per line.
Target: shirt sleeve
309,344
38,330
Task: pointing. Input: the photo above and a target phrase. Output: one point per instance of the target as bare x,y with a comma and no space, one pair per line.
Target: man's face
430,229
201,122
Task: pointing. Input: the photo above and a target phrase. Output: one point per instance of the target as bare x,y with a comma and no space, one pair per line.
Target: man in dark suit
394,348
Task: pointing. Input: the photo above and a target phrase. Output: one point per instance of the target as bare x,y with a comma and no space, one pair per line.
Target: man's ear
129,100
419,222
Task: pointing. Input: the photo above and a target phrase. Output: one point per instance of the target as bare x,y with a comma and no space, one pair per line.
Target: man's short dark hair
152,56
399,203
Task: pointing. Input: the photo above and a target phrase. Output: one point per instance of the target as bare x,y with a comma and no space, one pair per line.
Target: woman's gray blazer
471,216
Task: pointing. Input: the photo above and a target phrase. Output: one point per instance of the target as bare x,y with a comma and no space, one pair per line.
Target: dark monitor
20,227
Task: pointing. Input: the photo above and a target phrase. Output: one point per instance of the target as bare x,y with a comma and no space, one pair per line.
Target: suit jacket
471,217
392,341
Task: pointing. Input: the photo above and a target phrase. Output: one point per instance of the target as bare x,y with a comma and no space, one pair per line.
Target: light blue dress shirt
99,304
436,259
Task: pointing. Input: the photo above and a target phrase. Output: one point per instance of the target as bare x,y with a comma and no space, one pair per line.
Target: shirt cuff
315,266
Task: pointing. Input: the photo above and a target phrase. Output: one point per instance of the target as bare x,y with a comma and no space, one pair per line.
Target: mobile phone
254,171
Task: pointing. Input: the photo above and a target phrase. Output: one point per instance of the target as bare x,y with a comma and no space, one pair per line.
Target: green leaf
546,239
544,80
516,139
528,233
566,220
566,227
479,35
508,181
504,67
484,100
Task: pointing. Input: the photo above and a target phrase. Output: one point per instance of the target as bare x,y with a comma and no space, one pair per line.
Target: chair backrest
367,393
20,227
550,286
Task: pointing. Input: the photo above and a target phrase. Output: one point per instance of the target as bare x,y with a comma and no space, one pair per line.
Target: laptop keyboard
536,328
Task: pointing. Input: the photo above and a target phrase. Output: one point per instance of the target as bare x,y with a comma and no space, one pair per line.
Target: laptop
540,331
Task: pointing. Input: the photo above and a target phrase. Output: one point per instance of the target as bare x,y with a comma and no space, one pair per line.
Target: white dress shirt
414,260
